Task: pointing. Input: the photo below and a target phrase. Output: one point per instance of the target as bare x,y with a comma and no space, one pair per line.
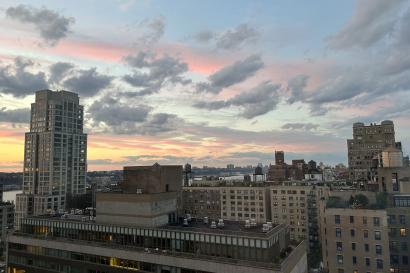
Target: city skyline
231,86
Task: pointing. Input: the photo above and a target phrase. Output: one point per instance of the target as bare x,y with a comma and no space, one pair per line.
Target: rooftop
230,228
235,228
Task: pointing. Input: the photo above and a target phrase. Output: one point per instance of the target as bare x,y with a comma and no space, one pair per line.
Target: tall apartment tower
367,143
55,154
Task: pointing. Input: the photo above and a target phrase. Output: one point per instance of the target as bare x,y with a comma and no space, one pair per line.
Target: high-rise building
366,144
55,154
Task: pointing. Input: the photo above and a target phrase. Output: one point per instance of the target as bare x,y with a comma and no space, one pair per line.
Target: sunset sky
207,82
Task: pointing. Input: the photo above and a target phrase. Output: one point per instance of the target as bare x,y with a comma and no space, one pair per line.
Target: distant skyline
207,83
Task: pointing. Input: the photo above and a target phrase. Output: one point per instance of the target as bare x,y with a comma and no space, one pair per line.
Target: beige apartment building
236,203
355,240
244,203
297,206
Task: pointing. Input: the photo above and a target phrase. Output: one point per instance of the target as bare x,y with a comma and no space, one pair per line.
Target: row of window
367,262
377,234
376,220
378,248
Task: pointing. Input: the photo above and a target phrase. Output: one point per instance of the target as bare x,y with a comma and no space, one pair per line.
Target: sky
207,82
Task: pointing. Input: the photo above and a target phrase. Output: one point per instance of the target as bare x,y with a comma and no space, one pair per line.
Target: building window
351,219
377,235
393,246
394,259
337,219
391,219
364,220
354,260
352,232
393,232
339,246
404,246
378,249
405,260
353,246
340,259
376,221
338,232
403,232
367,261
379,263
366,247
402,219
365,233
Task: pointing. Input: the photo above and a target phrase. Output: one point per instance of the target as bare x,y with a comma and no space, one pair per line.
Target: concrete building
297,206
149,197
355,240
55,154
152,179
367,142
130,233
51,244
245,203
201,202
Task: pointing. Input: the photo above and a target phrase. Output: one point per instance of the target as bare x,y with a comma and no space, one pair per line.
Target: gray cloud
111,114
231,75
59,70
300,126
51,25
372,21
159,123
257,101
234,38
296,85
87,82
153,30
16,80
204,36
15,116
230,39
151,73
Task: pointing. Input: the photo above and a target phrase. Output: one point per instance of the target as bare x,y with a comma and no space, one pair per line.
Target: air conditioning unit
213,224
247,224
221,223
265,228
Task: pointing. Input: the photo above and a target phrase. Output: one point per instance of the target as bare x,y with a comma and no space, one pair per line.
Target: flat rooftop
230,228
236,228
